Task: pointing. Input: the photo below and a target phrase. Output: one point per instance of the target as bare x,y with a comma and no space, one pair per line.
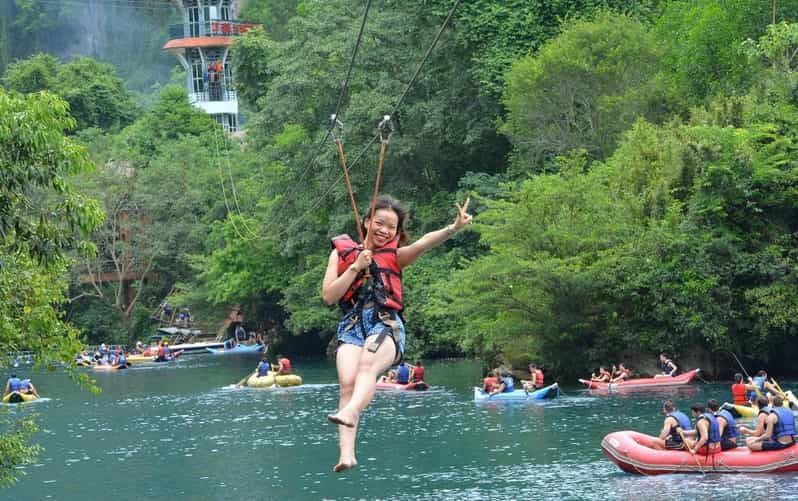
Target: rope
344,88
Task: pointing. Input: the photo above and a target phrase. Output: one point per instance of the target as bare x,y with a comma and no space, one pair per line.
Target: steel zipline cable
312,159
374,138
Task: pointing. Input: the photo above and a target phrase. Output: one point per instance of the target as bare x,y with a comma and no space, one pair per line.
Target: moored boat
16,397
139,358
547,392
633,453
414,386
239,349
269,380
642,383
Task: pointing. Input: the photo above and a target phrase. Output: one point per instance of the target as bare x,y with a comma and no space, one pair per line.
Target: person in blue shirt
402,373
27,387
13,384
506,383
263,367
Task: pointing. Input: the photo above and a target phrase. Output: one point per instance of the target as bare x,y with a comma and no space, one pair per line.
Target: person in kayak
535,379
506,384
759,384
726,425
604,376
417,374
402,373
490,383
27,387
668,367
740,390
675,425
779,429
263,367
622,374
706,430
283,366
763,404
372,303
13,384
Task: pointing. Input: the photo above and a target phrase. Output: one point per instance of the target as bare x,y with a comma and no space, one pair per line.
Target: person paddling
706,429
506,384
779,429
726,425
675,425
535,379
372,306
604,376
622,375
763,404
740,389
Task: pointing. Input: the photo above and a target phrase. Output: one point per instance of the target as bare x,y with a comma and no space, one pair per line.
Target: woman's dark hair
402,214
738,378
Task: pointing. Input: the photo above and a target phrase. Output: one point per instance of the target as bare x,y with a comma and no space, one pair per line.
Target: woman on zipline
372,305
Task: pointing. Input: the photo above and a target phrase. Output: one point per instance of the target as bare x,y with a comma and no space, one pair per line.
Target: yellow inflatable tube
268,380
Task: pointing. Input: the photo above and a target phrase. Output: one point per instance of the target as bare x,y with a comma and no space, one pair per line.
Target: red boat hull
418,386
651,382
632,452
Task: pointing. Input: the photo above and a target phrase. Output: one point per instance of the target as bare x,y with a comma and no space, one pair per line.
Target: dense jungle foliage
632,167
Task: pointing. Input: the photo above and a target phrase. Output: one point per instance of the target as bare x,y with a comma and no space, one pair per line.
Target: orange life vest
384,269
539,378
739,393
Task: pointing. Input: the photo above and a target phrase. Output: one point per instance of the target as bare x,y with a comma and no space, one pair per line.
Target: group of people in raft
118,357
622,373
23,386
500,380
405,373
281,368
716,428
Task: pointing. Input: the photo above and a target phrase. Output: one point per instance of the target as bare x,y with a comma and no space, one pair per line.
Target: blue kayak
240,349
552,391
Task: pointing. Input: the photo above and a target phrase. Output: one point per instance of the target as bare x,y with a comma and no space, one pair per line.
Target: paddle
692,452
756,388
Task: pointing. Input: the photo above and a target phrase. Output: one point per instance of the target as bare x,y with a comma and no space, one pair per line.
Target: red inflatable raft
417,386
650,382
632,452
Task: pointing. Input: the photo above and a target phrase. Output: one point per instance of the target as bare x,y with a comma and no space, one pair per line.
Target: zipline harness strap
338,138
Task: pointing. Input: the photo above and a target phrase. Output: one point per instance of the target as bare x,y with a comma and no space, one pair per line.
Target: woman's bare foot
344,465
343,418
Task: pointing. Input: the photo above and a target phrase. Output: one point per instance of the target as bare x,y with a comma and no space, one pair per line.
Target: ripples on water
182,430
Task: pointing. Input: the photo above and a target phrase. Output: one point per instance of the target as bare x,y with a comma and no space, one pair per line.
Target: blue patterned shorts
351,332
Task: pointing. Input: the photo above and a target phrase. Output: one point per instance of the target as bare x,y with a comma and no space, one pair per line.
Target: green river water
182,432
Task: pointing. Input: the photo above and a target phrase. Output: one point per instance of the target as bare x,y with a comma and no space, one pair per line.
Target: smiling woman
367,282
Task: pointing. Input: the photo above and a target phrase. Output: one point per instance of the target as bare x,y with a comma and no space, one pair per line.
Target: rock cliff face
126,33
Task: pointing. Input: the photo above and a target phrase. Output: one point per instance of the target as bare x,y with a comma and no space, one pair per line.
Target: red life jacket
388,271
539,378
739,393
418,373
285,366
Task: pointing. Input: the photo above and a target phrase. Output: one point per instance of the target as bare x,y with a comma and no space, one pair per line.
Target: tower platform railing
209,29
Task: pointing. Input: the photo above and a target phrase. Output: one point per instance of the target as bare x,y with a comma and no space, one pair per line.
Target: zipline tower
202,45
